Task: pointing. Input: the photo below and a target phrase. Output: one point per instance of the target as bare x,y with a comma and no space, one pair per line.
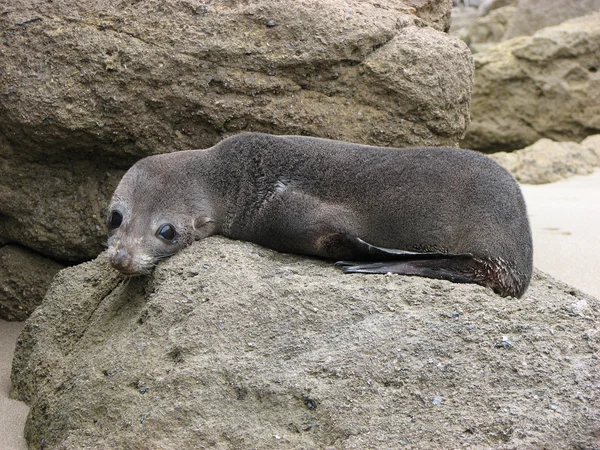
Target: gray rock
488,29
546,85
56,208
533,15
24,278
230,345
473,27
547,161
593,142
487,6
461,18
88,88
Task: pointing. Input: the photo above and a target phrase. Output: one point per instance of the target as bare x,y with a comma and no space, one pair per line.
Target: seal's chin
130,273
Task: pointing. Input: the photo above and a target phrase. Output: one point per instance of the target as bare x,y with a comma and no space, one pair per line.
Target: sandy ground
12,412
565,218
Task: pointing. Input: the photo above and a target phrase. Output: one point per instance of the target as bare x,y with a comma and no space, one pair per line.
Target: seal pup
435,212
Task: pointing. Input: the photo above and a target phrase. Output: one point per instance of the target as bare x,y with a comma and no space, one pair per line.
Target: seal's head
152,215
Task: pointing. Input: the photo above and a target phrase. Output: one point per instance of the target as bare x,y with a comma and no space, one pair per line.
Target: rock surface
24,278
593,142
230,345
487,6
488,29
86,88
54,207
533,15
499,20
547,161
546,85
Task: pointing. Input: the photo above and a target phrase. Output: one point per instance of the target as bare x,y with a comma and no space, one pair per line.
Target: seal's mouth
130,265
131,269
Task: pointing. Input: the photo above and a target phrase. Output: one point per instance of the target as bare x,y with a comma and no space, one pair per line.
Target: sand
565,219
12,412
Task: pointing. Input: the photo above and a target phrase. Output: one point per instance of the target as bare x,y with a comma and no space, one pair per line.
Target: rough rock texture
593,142
461,18
24,278
487,6
230,345
547,161
488,29
86,88
547,85
533,15
55,207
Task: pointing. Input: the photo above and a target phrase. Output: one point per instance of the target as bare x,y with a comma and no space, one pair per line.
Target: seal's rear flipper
392,254
461,270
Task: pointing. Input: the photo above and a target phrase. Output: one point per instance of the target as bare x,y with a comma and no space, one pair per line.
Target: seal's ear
201,230
199,222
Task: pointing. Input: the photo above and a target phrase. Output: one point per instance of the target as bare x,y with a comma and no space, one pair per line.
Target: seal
434,212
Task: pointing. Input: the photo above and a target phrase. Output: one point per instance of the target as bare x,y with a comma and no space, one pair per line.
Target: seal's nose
122,261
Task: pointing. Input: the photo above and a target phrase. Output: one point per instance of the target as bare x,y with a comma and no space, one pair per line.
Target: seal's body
435,212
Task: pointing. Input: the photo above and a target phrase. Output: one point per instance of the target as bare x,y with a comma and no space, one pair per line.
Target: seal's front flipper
388,254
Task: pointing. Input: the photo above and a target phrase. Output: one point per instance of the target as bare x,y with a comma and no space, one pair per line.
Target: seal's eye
167,232
115,220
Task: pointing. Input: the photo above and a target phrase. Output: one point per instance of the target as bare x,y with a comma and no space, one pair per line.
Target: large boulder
54,206
24,278
533,15
88,87
488,29
547,161
546,85
487,6
498,20
593,142
230,345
